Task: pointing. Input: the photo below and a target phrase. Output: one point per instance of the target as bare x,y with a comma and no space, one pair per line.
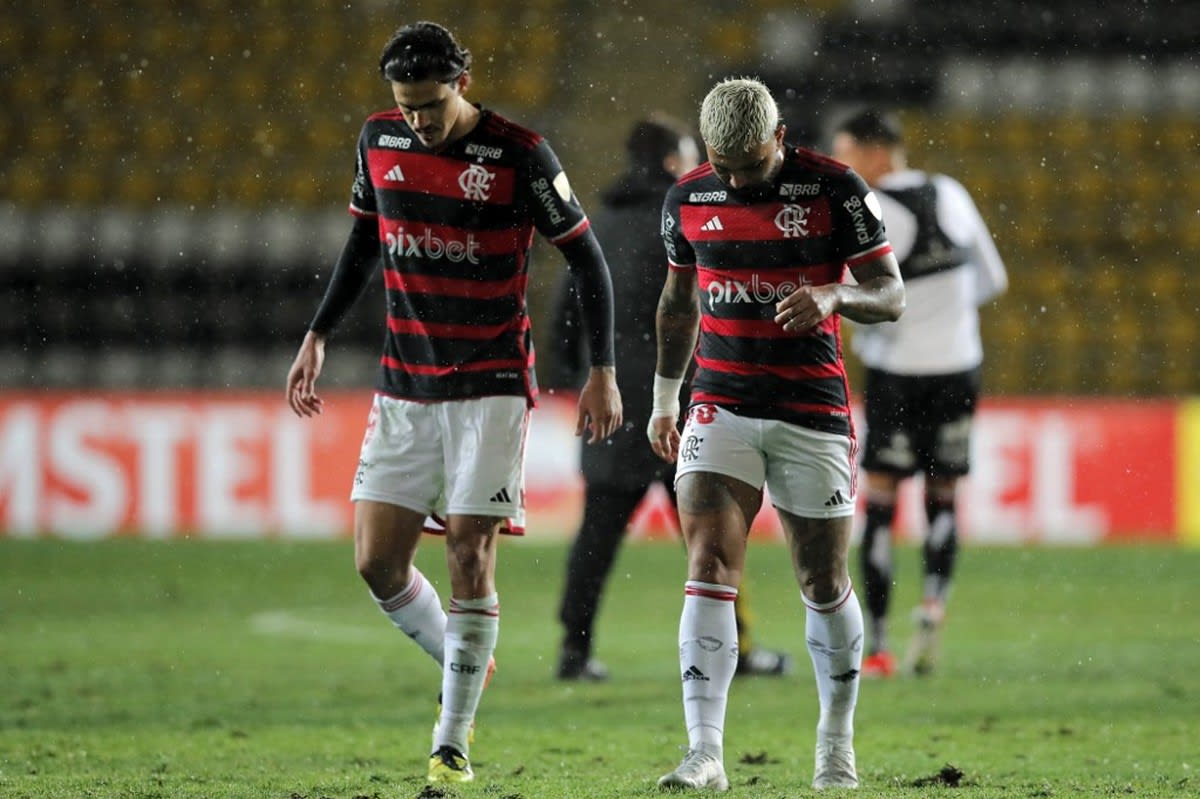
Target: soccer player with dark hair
758,242
618,475
923,373
448,194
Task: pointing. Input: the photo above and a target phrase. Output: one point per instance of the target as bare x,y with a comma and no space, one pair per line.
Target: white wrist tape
666,396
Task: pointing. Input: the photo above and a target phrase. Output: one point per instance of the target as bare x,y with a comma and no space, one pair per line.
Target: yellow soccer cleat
448,765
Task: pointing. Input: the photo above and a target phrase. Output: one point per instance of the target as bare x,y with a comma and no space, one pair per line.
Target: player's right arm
350,276
678,322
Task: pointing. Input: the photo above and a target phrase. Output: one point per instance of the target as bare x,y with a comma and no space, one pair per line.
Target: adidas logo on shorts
836,500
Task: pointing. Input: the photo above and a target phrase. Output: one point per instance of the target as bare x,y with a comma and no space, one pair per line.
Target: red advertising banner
1063,471
1073,471
168,465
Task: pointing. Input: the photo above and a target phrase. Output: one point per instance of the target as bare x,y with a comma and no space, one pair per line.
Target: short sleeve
857,218
553,206
679,249
362,192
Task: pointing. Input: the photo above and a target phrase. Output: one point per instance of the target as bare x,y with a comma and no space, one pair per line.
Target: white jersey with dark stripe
455,230
751,250
950,267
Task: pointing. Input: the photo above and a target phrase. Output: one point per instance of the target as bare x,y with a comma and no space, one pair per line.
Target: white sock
417,612
471,632
835,635
707,662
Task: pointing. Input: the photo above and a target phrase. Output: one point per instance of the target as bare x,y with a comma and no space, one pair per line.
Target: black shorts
919,423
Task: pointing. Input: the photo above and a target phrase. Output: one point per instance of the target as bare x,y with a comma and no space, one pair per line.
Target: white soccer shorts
808,473
455,457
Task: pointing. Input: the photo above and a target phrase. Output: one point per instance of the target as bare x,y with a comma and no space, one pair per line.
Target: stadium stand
171,204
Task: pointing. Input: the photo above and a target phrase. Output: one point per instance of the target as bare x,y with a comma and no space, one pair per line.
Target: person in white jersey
923,374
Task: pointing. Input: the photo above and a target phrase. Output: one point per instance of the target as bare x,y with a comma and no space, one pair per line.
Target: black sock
941,547
875,557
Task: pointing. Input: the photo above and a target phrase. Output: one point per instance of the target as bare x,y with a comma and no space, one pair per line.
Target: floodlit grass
262,669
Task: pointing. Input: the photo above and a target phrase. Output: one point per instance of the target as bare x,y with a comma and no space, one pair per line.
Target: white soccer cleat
923,650
835,762
698,770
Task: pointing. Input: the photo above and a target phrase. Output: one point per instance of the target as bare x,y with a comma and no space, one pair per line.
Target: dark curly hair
423,51
654,138
873,126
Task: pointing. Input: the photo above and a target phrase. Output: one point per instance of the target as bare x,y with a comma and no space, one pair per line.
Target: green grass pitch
262,669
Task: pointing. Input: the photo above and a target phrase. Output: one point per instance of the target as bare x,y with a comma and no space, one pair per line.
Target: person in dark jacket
618,473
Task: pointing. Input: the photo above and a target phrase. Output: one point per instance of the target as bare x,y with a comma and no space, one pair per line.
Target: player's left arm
876,296
599,400
991,279
566,337
557,214
956,206
879,295
878,292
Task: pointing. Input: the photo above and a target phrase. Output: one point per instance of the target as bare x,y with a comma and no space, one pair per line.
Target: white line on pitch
295,625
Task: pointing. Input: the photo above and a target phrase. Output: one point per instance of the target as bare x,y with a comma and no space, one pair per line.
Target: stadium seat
64,367
237,367
16,366
122,367
255,108
178,367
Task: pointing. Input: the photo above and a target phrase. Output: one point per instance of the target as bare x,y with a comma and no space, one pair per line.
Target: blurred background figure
923,373
618,474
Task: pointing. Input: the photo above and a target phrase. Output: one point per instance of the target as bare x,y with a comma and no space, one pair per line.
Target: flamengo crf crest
793,221
476,182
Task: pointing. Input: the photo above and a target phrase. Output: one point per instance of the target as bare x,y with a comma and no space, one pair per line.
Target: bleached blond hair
737,115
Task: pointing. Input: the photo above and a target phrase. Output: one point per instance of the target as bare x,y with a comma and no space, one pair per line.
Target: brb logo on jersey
792,220
484,151
394,142
792,190
752,290
476,183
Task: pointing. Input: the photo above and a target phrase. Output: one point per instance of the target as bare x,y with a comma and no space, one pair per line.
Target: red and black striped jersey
455,230
752,249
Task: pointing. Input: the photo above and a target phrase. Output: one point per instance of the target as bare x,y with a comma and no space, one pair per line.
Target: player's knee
382,574
469,556
712,565
823,584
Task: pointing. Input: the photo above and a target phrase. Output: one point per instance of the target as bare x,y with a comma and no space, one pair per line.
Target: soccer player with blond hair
759,242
